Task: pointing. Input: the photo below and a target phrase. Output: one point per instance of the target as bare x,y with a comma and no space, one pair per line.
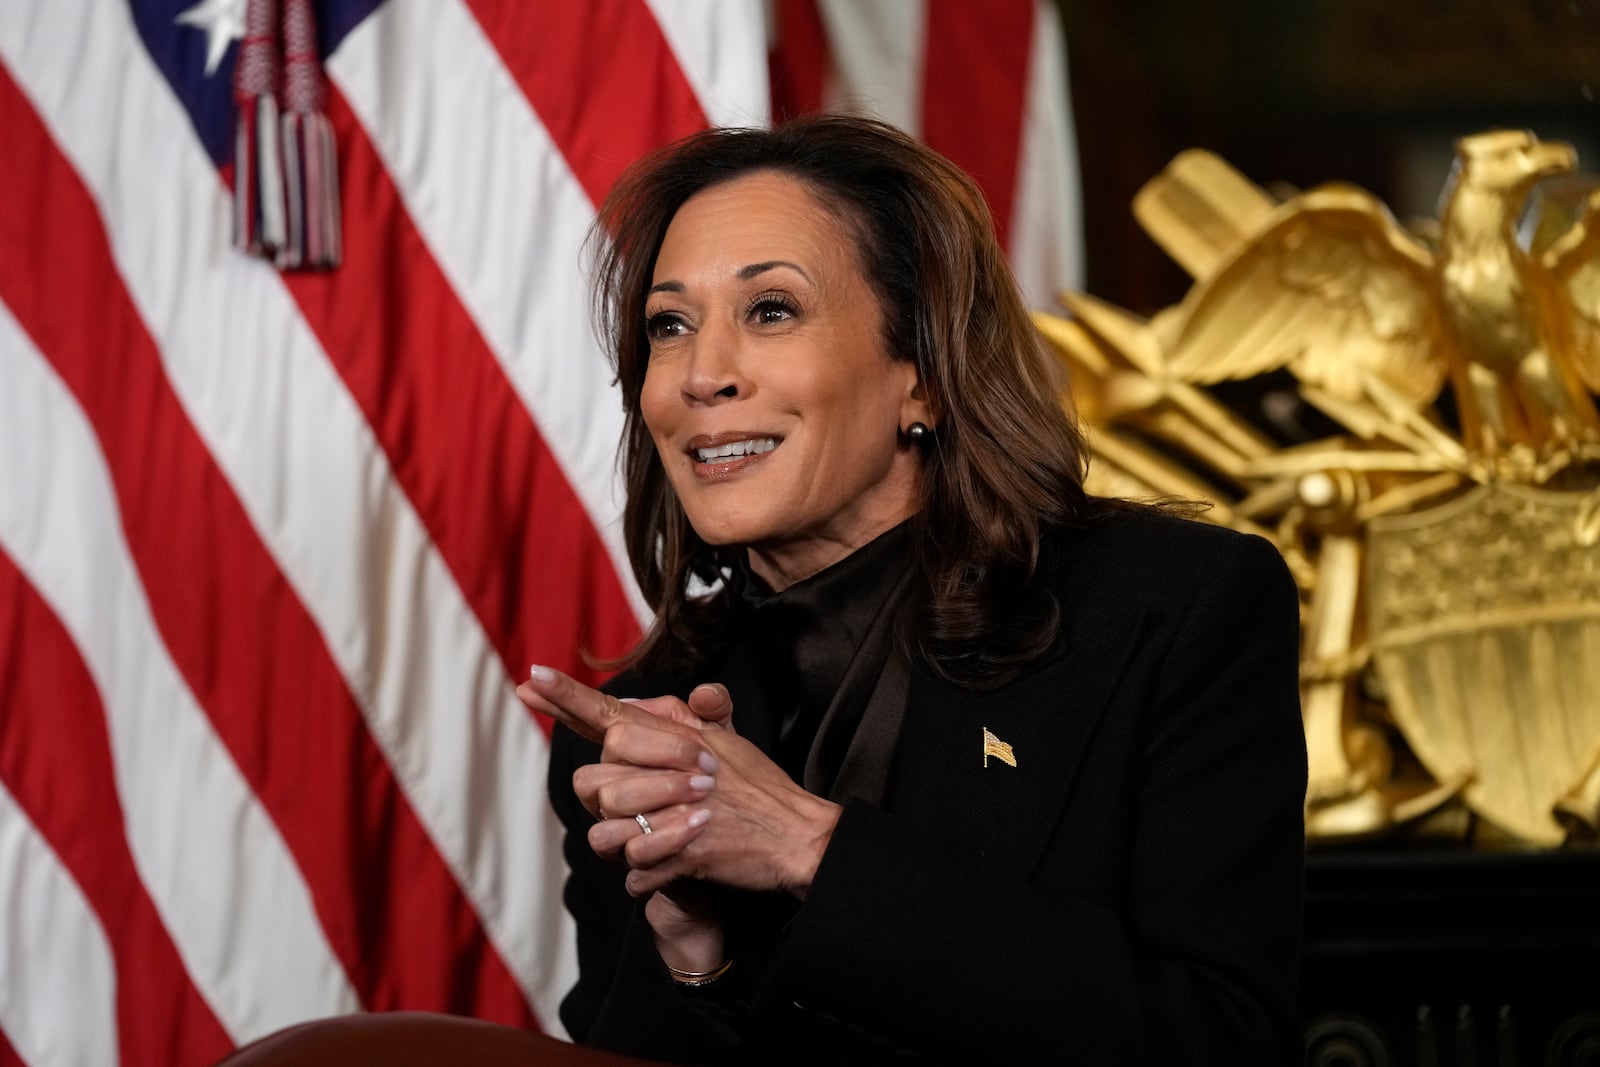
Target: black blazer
1129,892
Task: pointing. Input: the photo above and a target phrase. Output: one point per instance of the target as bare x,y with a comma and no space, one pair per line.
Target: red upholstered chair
415,1039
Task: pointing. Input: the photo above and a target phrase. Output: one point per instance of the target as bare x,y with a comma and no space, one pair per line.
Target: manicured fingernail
708,763
540,673
703,783
699,819
629,700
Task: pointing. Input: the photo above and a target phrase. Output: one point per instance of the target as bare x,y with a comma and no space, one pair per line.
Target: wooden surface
416,1039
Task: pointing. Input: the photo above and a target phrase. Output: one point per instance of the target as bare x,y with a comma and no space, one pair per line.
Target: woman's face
773,402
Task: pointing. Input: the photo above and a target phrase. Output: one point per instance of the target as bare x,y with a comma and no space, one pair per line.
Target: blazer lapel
1047,717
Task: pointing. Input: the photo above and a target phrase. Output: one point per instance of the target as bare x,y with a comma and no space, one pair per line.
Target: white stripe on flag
1047,221
438,103
878,58
722,49
58,984
215,867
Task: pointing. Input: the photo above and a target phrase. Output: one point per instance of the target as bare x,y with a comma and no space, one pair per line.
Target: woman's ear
914,406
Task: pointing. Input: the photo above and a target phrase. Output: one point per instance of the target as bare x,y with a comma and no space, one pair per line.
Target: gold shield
1484,618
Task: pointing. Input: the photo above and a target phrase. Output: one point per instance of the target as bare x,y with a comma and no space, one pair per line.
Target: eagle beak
1553,157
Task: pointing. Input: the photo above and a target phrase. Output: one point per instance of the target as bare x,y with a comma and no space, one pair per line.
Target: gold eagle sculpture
1331,286
1447,547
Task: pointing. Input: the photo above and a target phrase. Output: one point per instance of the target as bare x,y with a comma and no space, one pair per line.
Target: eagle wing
1330,287
1573,260
1199,209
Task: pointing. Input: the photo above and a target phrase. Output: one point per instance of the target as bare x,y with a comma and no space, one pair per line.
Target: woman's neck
782,565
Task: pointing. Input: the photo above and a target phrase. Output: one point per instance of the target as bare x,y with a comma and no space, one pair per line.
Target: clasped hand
718,809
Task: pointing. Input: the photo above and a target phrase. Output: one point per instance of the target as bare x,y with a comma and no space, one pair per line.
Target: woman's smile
718,457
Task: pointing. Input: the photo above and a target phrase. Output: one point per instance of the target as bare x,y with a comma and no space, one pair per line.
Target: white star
223,21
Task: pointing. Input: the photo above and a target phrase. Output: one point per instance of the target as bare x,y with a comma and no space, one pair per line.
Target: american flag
276,547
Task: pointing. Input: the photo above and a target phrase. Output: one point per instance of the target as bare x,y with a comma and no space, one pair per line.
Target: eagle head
1510,160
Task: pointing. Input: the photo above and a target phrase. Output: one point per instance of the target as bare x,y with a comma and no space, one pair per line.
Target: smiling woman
769,393
856,504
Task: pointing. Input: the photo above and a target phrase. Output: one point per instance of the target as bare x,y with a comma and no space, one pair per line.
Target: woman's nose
713,372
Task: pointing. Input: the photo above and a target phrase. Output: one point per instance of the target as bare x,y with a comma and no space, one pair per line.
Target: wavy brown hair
1008,462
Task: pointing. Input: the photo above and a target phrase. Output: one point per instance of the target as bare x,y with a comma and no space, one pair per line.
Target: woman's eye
664,326
768,311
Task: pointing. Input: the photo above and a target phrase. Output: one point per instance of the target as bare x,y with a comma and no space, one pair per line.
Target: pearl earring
919,432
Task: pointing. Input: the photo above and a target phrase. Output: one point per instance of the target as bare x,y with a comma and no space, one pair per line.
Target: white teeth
736,448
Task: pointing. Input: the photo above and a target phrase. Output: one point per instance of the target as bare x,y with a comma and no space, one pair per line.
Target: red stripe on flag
974,92
797,65
604,106
392,911
55,759
494,500
8,1055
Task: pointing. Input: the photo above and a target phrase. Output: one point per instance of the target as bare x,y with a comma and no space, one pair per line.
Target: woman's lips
744,449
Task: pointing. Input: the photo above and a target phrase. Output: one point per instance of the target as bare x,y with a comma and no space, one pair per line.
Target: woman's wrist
697,979
687,942
692,956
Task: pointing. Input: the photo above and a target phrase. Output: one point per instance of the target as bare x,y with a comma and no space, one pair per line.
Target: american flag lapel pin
993,746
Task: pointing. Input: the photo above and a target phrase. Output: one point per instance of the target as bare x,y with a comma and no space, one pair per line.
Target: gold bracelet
696,979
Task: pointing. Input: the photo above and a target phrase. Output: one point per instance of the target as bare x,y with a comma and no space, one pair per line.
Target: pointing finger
587,711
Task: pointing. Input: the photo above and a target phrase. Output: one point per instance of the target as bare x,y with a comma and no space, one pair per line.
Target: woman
926,752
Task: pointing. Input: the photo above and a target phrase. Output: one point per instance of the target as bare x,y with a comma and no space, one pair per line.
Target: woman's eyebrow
746,273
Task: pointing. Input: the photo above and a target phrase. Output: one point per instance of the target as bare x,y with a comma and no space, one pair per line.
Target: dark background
1298,92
